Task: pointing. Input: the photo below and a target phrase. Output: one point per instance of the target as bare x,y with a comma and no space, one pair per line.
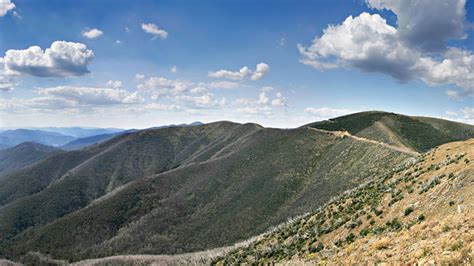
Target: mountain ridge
156,191
416,133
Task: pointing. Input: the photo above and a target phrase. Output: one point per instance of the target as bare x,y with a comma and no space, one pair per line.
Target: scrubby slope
416,133
183,189
23,154
422,212
87,141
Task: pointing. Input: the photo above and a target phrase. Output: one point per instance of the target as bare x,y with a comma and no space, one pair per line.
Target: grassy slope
409,216
239,178
69,181
24,154
416,133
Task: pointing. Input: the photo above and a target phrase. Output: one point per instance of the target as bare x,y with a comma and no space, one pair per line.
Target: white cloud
159,86
325,112
154,30
5,6
427,24
262,98
118,42
92,95
62,59
260,70
280,100
92,34
228,85
116,84
7,81
205,101
162,107
464,115
6,86
369,44
468,113
139,76
453,95
43,103
262,105
174,69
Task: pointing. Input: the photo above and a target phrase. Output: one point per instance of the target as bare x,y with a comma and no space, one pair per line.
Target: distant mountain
189,188
179,189
23,154
14,137
414,133
417,213
81,132
88,141
3,146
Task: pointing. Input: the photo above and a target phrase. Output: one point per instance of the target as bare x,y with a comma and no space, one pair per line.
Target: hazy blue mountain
81,132
14,137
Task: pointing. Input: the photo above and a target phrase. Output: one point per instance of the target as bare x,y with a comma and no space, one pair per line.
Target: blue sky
121,75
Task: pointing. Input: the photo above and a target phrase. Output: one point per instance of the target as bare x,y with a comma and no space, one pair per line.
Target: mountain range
183,189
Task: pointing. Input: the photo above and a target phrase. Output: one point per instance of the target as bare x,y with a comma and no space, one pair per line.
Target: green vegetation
15,158
418,133
157,191
408,211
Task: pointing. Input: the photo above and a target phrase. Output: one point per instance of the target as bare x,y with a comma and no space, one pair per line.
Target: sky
279,63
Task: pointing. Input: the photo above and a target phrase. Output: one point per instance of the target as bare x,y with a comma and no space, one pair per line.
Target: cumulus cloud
412,50
427,24
154,30
92,34
262,105
92,95
62,59
5,6
260,70
158,86
174,69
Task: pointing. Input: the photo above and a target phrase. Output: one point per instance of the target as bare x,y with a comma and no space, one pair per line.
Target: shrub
394,224
319,247
350,238
364,232
408,211
421,218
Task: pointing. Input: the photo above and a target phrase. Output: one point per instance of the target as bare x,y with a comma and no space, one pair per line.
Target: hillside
420,213
418,134
157,191
14,137
24,154
87,141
